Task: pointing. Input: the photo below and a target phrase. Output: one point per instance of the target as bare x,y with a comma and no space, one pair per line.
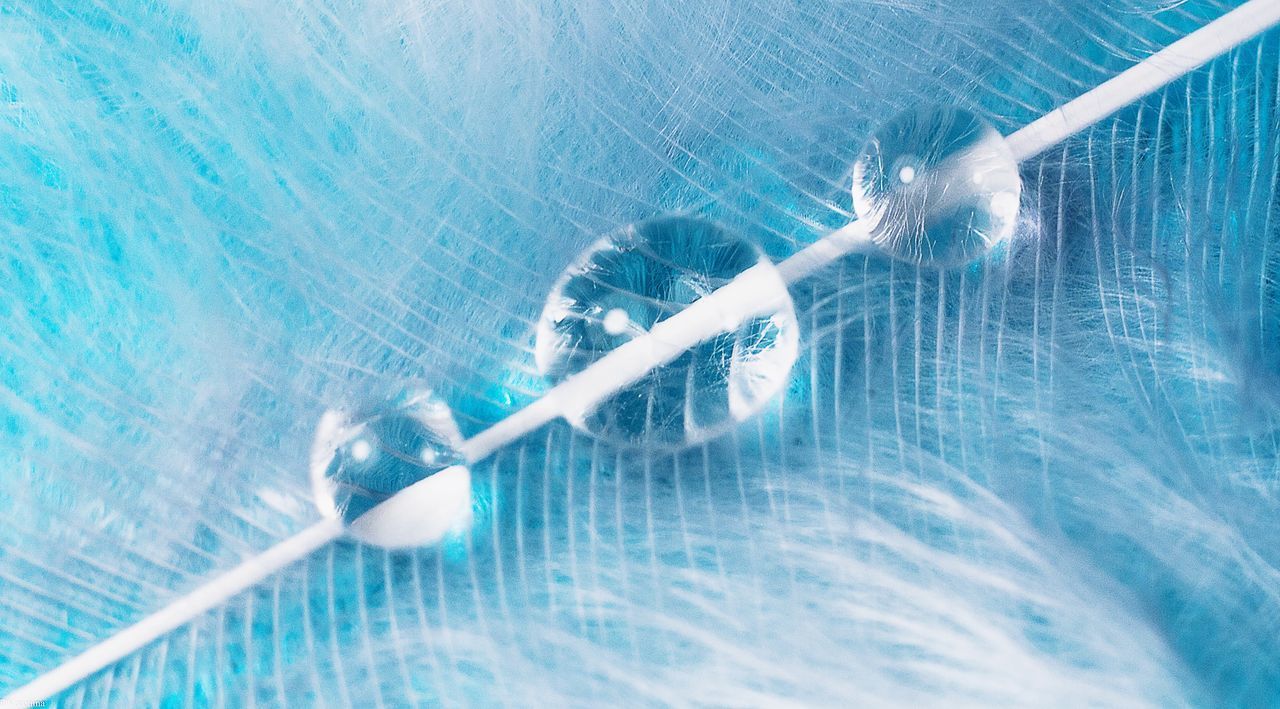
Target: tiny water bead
641,276
937,187
393,472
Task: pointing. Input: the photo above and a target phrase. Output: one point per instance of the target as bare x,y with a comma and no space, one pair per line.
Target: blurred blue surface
1049,478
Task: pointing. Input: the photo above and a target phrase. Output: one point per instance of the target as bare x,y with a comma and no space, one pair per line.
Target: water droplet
393,472
642,275
937,186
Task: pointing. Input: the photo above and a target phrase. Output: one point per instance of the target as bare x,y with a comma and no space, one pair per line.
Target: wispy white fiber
1047,479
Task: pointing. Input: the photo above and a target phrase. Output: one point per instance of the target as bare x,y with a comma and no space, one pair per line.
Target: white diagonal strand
176,614
753,292
614,371
718,312
1192,51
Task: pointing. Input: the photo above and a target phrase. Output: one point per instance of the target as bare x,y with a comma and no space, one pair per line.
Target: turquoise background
1049,478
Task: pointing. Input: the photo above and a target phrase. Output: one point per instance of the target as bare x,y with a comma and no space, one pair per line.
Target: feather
1047,478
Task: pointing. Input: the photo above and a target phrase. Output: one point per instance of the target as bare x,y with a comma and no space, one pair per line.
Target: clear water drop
937,187
392,471
630,281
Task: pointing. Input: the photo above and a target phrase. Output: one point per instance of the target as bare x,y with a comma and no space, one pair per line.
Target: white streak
176,614
849,239
724,310
1199,47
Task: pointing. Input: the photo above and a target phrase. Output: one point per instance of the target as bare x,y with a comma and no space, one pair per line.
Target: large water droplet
644,274
937,187
393,472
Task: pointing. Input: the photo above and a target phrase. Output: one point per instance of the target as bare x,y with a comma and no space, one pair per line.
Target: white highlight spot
616,321
361,450
907,175
1004,204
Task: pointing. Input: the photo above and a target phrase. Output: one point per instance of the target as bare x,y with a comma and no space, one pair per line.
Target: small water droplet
630,281
392,471
937,186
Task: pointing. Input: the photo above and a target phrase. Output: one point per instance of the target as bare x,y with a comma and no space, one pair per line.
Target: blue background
1051,477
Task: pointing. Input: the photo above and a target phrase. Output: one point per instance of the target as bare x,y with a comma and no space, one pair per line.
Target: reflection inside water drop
642,275
392,471
937,186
